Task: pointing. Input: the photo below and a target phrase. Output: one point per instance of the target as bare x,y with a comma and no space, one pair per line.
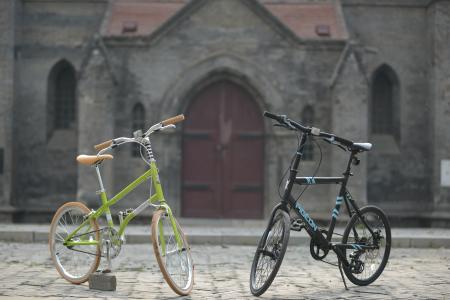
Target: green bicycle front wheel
74,263
174,260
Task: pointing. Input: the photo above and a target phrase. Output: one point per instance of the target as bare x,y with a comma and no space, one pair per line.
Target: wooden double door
223,154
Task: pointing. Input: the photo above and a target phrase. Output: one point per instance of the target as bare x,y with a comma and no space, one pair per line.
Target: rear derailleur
356,265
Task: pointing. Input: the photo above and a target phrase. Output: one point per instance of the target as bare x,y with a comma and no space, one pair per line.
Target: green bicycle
77,243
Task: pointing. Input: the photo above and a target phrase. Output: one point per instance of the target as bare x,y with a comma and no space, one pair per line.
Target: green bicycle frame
158,196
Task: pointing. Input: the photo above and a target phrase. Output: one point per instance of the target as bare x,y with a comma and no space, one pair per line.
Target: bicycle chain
90,253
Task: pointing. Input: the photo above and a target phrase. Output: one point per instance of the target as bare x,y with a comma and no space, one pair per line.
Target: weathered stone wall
284,73
227,38
394,33
350,95
96,98
46,171
439,80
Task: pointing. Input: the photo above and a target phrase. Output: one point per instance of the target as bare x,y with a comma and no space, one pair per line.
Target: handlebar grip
271,115
343,141
173,120
103,145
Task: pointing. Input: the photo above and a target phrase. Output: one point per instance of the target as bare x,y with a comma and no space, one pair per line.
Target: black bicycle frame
344,197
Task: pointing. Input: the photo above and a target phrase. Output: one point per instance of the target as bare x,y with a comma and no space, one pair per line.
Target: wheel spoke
177,262
368,263
269,255
75,262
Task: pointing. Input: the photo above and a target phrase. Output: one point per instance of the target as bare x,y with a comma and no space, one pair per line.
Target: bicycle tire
264,248
58,233
181,286
373,217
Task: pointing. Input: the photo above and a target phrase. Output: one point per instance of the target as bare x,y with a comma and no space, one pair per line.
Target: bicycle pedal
297,225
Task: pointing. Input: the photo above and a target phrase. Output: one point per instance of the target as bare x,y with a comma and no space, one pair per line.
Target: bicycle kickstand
108,258
342,274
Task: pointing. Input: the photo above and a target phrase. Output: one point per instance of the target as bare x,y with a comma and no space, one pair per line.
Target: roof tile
302,18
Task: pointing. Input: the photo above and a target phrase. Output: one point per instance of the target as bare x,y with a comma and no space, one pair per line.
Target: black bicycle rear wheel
270,253
366,265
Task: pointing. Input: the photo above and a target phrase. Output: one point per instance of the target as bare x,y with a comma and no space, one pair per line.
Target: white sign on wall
445,172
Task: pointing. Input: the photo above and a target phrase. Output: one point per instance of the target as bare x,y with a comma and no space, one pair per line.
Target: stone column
349,94
96,93
8,16
439,35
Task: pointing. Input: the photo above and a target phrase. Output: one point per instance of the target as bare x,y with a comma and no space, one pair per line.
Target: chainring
314,249
112,235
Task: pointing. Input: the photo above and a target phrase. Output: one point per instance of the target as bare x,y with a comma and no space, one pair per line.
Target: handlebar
270,115
103,145
173,120
168,123
292,125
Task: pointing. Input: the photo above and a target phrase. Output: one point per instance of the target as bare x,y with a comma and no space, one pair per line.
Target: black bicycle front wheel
371,250
270,252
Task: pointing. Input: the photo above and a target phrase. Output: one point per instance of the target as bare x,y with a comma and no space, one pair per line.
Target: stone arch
61,97
384,116
217,67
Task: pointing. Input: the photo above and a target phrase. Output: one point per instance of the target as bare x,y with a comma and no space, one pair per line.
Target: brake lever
290,127
165,127
329,140
342,147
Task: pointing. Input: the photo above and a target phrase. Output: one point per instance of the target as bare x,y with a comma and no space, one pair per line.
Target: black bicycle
366,242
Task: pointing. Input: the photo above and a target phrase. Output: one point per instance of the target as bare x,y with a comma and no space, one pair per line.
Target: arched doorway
223,155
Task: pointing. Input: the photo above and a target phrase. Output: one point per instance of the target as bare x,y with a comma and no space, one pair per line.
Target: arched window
384,117
308,120
61,105
137,122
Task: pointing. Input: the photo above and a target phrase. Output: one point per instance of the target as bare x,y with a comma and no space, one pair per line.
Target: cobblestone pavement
222,272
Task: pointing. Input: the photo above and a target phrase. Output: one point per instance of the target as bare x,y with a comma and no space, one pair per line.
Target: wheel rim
178,263
75,263
366,263
269,254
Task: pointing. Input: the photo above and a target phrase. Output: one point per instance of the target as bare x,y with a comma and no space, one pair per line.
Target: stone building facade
76,72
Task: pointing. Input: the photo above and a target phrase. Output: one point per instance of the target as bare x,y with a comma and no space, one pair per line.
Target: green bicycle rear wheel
175,262
74,263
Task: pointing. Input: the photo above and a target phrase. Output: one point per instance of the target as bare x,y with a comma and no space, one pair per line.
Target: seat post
97,169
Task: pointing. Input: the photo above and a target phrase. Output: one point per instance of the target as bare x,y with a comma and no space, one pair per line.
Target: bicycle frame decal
356,247
306,216
310,180
335,213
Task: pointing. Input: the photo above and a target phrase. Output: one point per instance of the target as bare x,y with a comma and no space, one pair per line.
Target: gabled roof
303,18
147,15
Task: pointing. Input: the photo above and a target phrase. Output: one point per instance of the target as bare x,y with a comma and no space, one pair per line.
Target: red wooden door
223,154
